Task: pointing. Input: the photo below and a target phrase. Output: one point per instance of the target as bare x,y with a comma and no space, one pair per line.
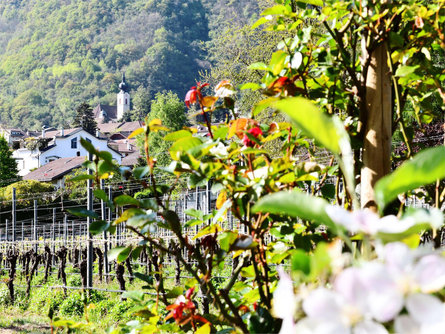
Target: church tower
123,98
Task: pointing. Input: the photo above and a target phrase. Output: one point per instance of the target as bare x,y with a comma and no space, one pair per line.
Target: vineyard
51,243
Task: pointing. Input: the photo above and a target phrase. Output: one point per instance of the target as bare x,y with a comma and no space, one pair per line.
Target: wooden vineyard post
104,217
209,200
53,237
14,218
65,229
34,230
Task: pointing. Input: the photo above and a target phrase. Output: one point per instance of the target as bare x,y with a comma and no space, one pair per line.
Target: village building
34,150
53,145
54,171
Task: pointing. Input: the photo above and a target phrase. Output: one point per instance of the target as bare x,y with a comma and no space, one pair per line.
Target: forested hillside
55,54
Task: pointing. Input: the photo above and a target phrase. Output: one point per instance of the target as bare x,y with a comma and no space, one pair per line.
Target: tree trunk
377,139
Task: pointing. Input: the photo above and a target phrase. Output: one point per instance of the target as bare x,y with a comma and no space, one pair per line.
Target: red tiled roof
131,159
130,126
58,133
55,169
108,127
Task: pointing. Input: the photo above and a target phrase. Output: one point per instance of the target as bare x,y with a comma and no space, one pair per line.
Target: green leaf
136,252
98,226
313,122
140,172
259,22
82,212
127,214
173,221
125,200
81,177
106,156
295,204
277,61
327,131
226,239
124,254
175,292
145,278
174,136
113,253
301,262
405,70
141,220
263,104
100,194
425,168
194,213
137,296
88,146
275,10
221,132
250,85
211,229
183,145
258,66
318,3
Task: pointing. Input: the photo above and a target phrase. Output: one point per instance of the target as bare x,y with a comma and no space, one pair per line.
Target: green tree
85,119
233,47
8,165
171,111
141,104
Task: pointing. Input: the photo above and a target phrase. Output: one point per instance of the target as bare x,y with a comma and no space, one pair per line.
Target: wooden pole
53,237
14,215
34,237
378,131
103,212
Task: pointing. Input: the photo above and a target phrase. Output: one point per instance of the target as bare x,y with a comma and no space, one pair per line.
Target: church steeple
123,98
123,85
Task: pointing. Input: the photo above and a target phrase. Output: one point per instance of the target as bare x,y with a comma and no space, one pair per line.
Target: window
74,143
126,101
88,140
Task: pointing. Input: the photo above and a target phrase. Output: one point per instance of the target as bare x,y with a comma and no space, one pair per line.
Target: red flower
189,293
194,94
256,131
184,310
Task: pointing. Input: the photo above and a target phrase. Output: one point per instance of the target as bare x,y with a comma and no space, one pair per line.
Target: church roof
110,111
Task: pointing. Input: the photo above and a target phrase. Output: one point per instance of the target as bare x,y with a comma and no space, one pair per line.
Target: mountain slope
55,54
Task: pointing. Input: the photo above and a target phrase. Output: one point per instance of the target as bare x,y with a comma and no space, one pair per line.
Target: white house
61,144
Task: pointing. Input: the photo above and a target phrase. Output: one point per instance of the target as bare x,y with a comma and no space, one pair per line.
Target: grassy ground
14,320
30,315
